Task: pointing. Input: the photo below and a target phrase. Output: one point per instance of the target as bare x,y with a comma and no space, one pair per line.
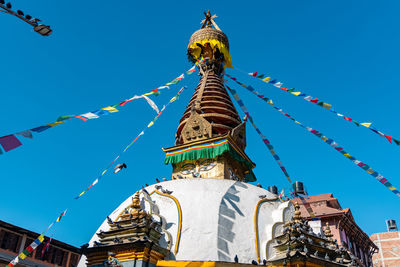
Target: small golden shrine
133,236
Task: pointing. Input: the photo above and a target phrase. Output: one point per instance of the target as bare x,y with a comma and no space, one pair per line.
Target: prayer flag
9,142
366,124
55,123
110,109
89,116
389,138
82,118
65,117
295,93
46,247
41,128
61,215
27,134
347,118
191,70
254,74
266,79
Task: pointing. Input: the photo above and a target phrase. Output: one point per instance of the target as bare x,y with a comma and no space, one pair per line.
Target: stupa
207,214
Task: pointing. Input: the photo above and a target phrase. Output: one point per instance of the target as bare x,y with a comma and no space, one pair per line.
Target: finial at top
208,20
297,213
327,231
136,201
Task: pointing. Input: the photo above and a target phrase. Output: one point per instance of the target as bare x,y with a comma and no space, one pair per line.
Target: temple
208,214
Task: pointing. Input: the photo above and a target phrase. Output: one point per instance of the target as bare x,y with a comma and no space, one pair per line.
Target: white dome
214,219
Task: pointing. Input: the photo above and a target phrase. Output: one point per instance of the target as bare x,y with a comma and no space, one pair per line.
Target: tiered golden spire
297,213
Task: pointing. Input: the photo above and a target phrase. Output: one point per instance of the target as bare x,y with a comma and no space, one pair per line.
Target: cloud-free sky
102,52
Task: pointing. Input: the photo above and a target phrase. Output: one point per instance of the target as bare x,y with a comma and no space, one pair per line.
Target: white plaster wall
217,219
316,226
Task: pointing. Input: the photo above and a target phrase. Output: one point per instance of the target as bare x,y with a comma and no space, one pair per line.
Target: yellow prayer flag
55,123
150,124
370,171
326,105
41,238
366,124
110,109
297,122
295,93
172,99
324,138
22,256
270,102
392,188
103,172
266,79
346,155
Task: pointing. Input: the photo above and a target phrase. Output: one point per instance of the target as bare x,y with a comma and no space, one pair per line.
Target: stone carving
196,128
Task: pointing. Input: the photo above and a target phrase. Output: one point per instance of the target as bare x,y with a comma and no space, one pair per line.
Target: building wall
389,249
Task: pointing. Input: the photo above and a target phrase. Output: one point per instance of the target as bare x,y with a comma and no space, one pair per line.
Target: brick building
389,249
345,230
14,239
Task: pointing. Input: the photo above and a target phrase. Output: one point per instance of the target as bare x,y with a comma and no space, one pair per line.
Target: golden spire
136,201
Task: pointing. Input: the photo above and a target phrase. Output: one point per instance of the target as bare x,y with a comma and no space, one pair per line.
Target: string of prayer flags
177,79
191,70
323,104
26,252
327,140
308,208
61,215
10,142
265,140
130,144
46,247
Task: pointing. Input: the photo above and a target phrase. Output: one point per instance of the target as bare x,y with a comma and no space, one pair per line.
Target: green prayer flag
290,90
357,123
66,117
396,141
260,76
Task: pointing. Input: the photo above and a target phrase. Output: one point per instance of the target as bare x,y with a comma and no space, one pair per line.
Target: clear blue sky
101,52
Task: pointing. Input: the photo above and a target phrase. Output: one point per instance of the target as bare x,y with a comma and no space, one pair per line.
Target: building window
10,241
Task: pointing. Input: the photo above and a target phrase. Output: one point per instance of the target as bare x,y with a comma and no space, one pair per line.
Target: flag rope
265,140
327,140
40,239
9,142
320,103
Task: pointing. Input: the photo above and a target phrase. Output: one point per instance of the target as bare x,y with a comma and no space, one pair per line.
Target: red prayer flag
388,137
123,103
315,100
254,74
347,118
82,118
